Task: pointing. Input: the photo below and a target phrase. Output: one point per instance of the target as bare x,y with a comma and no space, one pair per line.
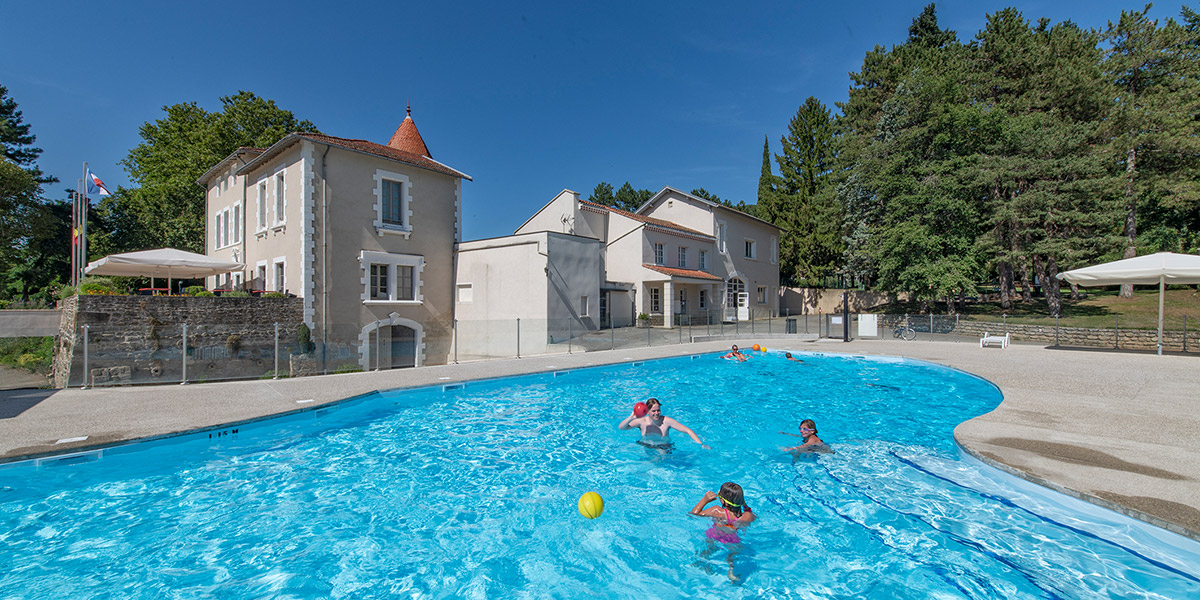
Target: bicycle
905,332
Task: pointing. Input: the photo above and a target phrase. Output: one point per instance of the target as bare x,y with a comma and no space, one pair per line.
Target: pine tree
803,206
1152,128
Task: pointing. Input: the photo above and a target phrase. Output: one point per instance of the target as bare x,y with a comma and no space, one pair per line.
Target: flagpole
83,235
75,233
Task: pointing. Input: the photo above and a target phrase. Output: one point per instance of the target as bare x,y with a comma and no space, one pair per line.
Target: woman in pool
788,355
656,428
812,443
732,514
736,354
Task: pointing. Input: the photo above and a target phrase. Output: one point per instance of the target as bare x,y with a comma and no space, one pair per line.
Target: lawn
1101,308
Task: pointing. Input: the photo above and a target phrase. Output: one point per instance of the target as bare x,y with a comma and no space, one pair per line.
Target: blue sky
528,98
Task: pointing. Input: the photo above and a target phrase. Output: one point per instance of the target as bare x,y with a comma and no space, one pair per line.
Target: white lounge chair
993,339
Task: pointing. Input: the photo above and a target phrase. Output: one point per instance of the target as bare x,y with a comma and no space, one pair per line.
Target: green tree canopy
167,207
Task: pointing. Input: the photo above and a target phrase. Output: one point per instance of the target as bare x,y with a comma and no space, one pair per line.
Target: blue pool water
470,492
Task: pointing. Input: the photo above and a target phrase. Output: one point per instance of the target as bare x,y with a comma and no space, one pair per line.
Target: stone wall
1127,339
138,339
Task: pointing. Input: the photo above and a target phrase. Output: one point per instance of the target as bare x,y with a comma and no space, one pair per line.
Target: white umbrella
163,262
1161,268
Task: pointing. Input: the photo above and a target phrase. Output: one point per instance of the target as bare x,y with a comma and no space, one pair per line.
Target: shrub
65,292
304,338
28,353
274,295
194,290
233,344
97,286
236,294
643,316
204,294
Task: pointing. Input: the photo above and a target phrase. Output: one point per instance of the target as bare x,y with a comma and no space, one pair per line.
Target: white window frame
703,304
656,300
261,271
583,306
261,212
762,294
237,281
393,260
704,260
683,300
721,230
751,249
278,267
225,228
279,201
385,271
382,228
216,231
660,255
683,257
237,223
774,250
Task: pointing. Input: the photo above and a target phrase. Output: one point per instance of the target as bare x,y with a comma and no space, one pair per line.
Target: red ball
640,409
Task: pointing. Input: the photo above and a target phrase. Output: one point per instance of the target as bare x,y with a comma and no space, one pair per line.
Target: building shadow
15,402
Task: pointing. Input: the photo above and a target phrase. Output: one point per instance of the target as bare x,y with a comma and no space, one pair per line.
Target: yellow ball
591,505
764,348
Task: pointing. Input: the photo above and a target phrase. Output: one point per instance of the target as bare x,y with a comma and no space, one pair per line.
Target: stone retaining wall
138,339
1128,339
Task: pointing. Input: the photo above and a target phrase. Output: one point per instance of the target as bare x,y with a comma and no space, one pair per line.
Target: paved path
1118,429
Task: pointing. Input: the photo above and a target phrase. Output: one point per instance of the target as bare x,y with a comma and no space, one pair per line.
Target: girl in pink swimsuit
729,516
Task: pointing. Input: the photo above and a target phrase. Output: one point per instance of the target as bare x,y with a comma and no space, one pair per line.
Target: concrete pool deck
1118,429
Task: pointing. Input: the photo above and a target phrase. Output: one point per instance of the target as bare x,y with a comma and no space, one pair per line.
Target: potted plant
643,319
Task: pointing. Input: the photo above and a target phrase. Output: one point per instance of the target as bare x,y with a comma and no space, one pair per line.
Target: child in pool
731,515
812,443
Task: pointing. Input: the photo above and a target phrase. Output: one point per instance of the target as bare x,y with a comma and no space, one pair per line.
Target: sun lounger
993,339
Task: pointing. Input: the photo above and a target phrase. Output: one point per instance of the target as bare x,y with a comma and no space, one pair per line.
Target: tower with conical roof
407,138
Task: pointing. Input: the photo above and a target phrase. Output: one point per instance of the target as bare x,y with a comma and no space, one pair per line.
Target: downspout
324,264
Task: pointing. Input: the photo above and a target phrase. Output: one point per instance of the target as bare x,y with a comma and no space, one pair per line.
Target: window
237,281
237,223
655,300
703,300
379,282
279,204
721,237
225,227
659,259
683,301
404,282
262,206
260,276
751,251
774,250
583,306
279,275
393,203
392,207
762,295
391,277
217,231
682,257
704,260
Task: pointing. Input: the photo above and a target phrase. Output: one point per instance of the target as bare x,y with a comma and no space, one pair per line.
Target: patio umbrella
1161,268
163,262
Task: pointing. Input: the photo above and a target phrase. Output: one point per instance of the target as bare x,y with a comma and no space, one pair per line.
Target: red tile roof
408,139
648,220
694,274
423,161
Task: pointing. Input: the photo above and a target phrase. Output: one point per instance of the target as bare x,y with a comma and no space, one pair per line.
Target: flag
94,185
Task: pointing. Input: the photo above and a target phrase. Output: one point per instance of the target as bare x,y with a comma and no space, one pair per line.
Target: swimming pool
470,491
